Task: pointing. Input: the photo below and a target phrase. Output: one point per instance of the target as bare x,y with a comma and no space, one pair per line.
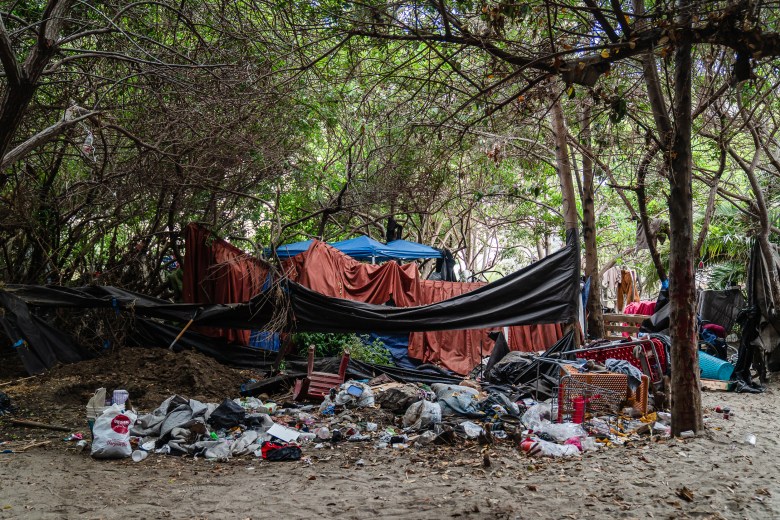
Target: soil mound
150,375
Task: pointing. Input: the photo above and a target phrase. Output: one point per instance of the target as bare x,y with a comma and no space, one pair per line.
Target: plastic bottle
306,437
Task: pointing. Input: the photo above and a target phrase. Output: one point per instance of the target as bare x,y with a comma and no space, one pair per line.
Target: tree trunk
595,312
686,396
567,188
19,92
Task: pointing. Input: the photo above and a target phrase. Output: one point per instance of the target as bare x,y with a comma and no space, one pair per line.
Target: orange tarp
216,271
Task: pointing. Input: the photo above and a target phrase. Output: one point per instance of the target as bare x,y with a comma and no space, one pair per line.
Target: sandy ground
726,477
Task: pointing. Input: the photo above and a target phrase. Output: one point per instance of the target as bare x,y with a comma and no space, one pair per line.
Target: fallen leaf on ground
685,493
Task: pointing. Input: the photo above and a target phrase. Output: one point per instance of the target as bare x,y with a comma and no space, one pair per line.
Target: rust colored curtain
461,350
216,271
328,271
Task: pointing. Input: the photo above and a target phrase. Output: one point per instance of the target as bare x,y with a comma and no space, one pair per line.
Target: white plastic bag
537,415
560,432
422,415
540,448
354,393
112,434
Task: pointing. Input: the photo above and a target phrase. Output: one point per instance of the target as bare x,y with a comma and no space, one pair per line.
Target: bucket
714,368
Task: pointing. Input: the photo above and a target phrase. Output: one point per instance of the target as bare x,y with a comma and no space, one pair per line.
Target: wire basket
597,399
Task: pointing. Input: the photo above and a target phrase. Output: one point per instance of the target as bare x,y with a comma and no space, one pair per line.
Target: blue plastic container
714,368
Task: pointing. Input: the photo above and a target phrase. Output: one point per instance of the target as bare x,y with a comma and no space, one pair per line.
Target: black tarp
543,292
760,320
721,307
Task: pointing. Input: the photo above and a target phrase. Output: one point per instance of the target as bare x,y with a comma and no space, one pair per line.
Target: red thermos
579,410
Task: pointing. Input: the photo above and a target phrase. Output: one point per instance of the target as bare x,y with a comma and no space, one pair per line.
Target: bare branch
8,58
41,138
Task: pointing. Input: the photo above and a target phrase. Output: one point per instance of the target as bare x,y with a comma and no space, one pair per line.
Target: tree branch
41,138
8,58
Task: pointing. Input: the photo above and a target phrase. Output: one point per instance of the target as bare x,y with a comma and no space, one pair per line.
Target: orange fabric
327,270
627,290
460,350
216,271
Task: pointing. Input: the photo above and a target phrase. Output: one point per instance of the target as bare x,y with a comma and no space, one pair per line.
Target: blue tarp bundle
398,345
366,248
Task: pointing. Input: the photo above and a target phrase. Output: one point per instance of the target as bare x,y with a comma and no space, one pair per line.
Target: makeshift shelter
542,293
330,272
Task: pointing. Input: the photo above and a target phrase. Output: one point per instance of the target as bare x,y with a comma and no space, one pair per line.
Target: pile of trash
390,415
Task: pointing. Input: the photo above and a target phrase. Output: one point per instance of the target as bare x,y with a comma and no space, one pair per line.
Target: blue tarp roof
366,248
361,248
408,250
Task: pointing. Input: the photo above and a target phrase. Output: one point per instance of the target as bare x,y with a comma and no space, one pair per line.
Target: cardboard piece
283,433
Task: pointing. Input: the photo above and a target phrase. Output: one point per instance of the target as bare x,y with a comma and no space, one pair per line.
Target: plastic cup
139,455
120,396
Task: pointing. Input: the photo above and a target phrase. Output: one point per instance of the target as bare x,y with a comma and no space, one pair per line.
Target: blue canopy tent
362,248
366,248
405,250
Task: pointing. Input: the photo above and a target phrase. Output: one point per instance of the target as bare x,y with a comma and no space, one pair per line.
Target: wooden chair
616,324
316,385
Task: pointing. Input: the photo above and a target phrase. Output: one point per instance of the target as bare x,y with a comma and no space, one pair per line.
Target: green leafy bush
334,344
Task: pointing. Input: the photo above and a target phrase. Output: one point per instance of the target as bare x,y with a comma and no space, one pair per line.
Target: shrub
334,344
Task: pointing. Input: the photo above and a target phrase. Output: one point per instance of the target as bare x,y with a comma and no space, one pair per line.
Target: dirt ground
724,477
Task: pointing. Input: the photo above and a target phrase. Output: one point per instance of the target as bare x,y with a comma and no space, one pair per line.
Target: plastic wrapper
535,447
536,415
560,432
422,415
